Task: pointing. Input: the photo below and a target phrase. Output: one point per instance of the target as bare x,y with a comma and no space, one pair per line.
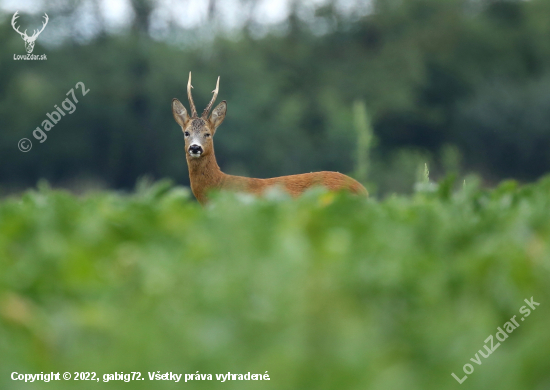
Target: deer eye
186,134
207,135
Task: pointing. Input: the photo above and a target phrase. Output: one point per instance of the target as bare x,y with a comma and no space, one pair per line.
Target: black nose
195,149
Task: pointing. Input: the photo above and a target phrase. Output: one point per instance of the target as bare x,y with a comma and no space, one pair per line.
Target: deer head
198,132
29,41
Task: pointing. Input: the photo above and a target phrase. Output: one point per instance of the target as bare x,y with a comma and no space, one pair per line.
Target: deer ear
179,112
218,114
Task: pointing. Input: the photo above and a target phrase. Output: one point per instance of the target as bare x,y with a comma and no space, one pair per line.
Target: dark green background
463,85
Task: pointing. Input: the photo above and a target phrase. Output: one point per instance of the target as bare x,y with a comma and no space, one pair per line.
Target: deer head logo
29,41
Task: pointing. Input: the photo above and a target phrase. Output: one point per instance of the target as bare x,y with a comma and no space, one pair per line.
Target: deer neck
204,174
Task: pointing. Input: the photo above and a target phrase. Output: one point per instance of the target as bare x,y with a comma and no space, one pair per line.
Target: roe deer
205,174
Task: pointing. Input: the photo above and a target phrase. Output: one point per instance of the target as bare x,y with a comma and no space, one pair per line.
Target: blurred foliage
329,291
468,75
365,140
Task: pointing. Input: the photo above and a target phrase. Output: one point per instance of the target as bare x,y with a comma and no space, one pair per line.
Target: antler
15,16
215,92
191,103
36,34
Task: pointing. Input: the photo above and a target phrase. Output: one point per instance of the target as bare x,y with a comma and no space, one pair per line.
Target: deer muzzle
195,150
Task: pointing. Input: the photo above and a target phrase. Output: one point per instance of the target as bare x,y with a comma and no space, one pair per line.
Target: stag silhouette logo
29,41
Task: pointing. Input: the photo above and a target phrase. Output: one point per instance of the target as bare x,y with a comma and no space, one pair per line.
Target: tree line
462,85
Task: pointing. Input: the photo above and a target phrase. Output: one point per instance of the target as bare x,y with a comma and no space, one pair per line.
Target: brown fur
205,174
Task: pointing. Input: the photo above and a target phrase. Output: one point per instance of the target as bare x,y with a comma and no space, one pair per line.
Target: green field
329,291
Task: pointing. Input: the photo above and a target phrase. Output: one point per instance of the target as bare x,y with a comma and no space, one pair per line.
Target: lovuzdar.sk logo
29,41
